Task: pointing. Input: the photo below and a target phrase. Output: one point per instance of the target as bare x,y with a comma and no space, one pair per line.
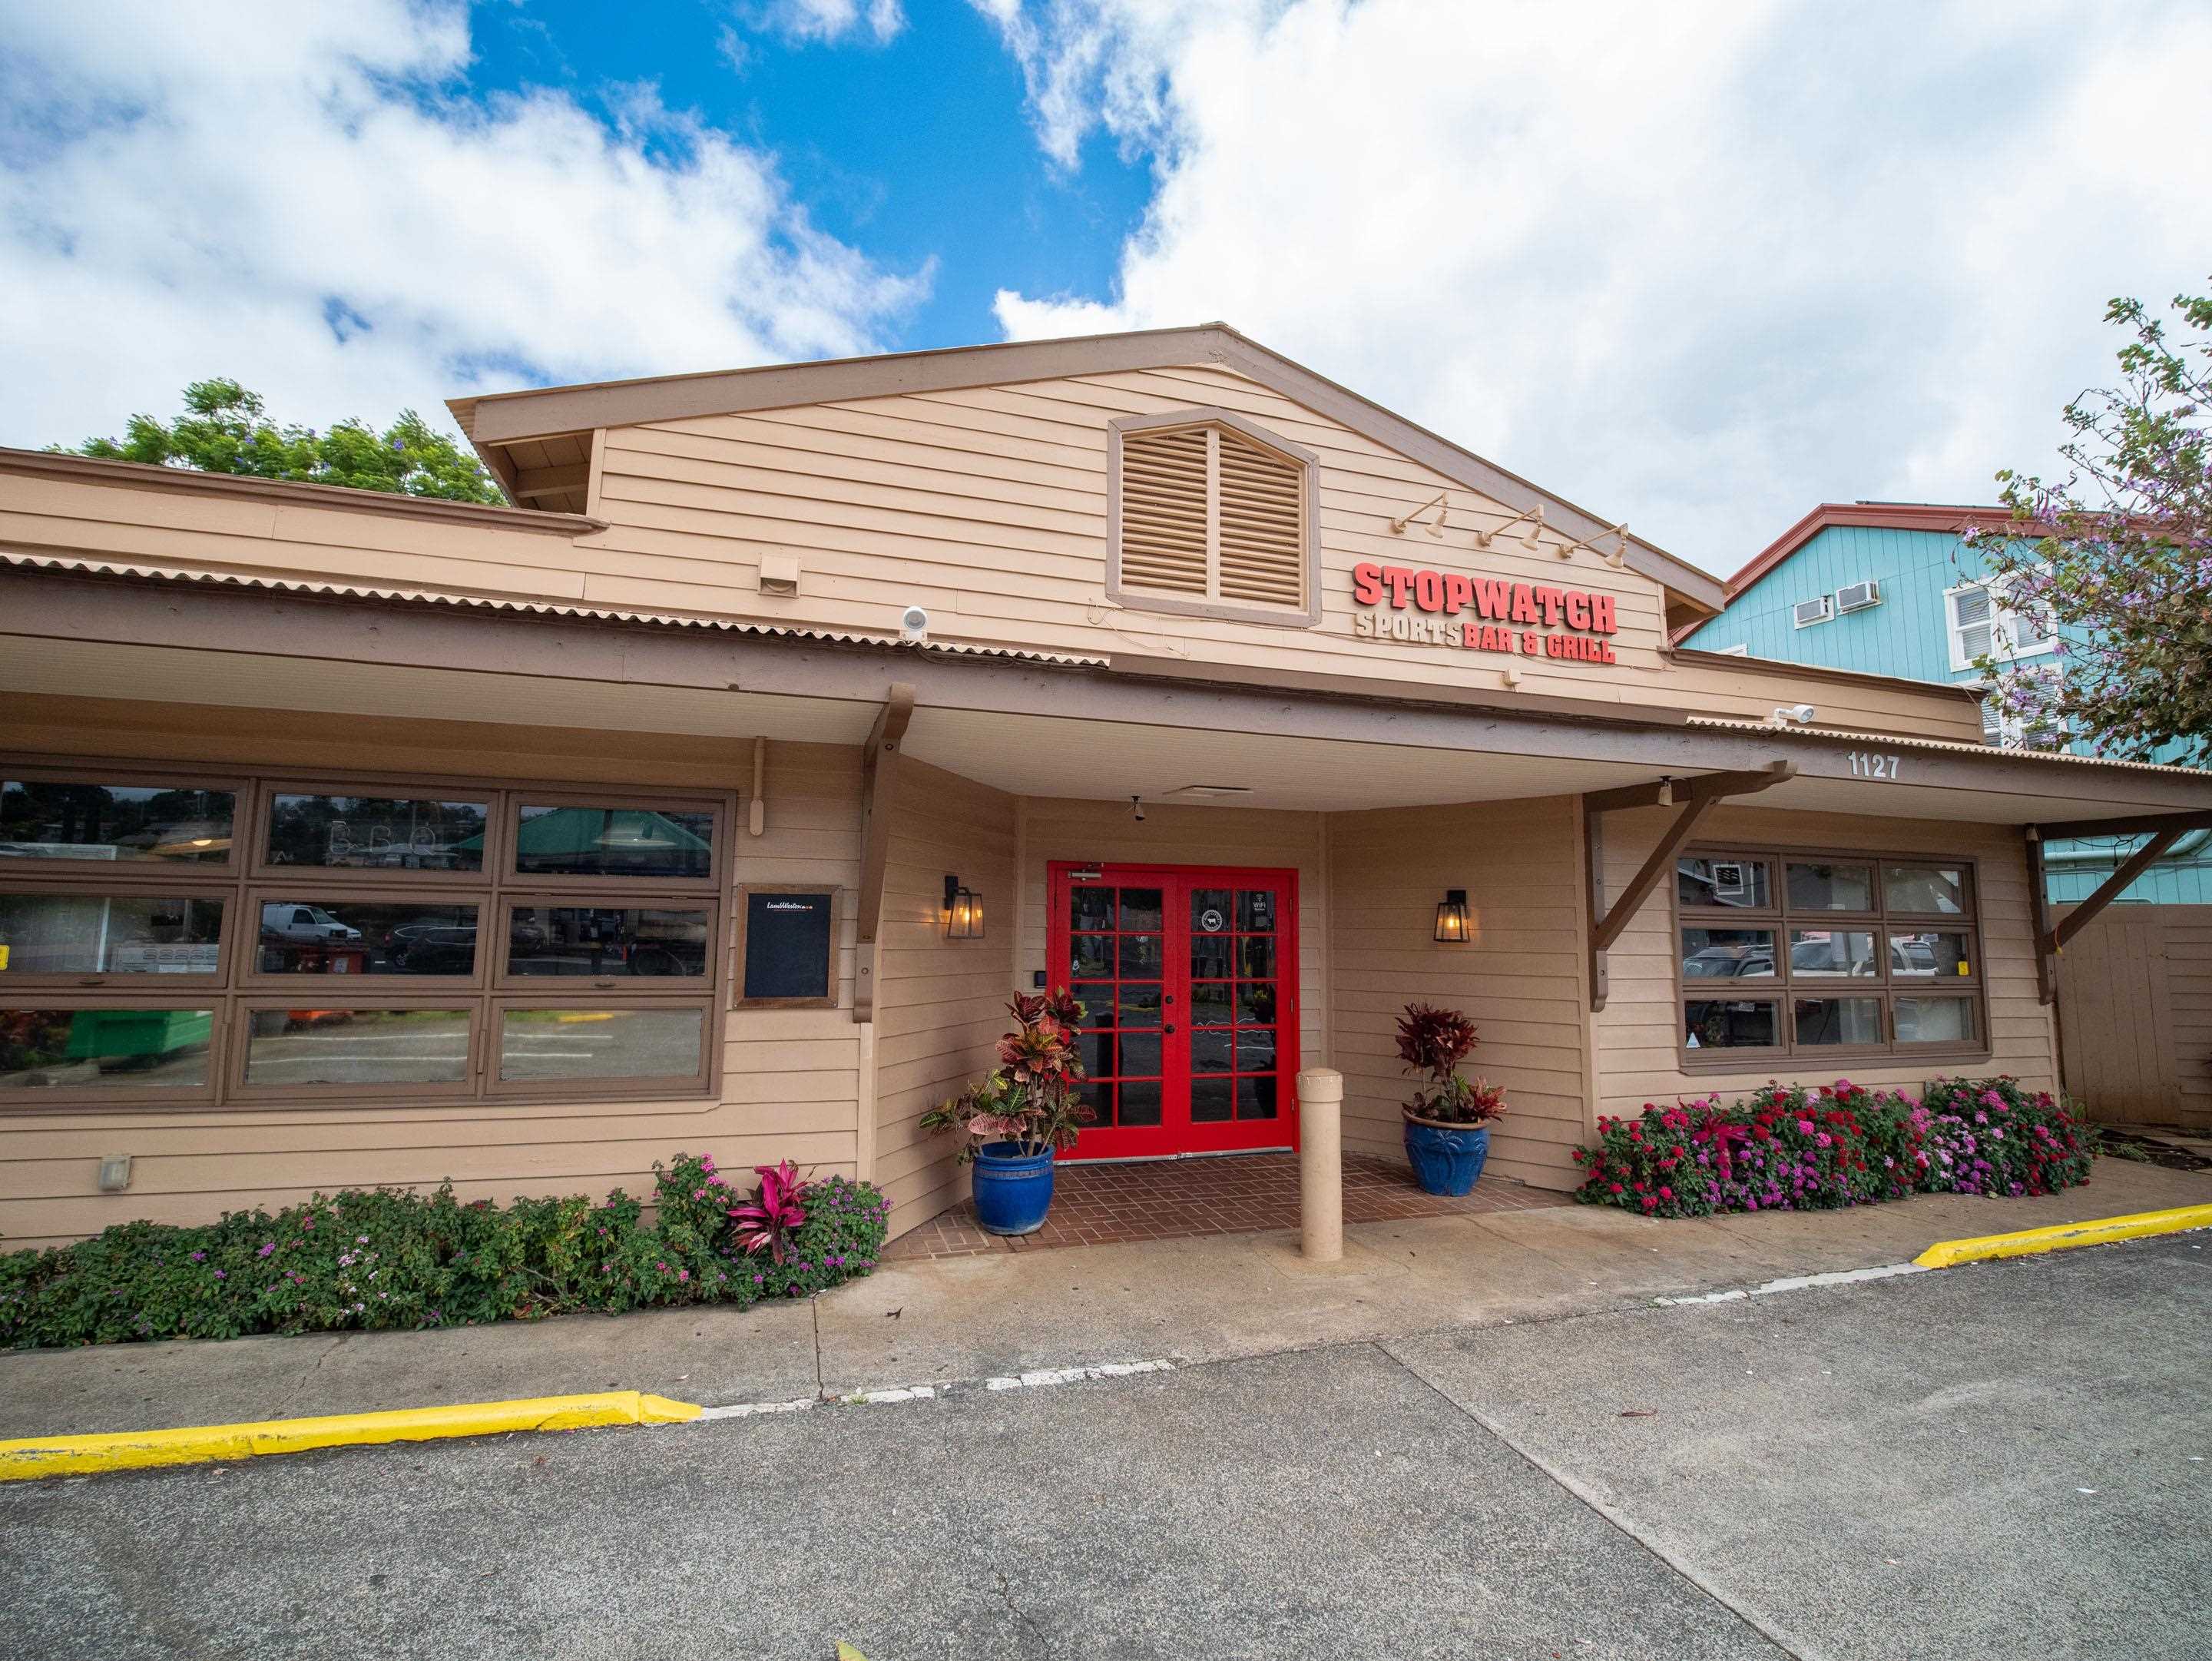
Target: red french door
1188,978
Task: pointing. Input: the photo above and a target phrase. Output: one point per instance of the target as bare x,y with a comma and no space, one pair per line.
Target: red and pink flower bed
1790,1147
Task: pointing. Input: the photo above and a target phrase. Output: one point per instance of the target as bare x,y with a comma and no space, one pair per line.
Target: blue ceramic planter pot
1447,1157
1014,1190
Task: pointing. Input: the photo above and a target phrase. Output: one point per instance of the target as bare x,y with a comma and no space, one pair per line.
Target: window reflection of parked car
1912,958
431,945
303,925
1717,963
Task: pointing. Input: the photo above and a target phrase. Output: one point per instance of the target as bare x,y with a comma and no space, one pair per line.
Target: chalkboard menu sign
788,944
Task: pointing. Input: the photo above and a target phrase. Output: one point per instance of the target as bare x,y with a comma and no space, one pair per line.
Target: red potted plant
1448,1121
1012,1121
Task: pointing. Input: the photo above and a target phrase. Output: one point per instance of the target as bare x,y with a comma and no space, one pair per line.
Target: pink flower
1805,1127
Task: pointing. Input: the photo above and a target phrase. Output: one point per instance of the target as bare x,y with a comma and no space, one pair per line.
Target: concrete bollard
1320,1162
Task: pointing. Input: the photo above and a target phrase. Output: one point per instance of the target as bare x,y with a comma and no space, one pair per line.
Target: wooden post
879,773
1320,1162
2038,908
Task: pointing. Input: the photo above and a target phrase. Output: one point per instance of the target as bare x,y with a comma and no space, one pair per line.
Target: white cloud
1699,266
188,191
829,20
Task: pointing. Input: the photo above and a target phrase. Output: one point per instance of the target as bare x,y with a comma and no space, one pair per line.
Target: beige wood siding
790,1083
1519,976
1175,834
940,1004
1636,1032
988,506
2135,998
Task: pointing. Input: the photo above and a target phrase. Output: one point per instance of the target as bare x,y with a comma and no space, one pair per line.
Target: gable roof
1949,517
496,419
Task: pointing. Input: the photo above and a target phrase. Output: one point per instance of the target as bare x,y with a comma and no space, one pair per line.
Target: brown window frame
246,881
78,884
1786,987
1227,611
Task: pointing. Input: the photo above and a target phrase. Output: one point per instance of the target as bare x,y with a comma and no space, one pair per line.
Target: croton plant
1433,1042
1030,1098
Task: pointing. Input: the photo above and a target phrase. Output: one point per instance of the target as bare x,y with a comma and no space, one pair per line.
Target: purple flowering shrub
1789,1147
368,1259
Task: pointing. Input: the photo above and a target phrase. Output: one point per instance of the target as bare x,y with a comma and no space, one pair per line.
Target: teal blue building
1892,588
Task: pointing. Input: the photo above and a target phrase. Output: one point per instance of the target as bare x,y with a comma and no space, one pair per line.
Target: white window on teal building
1982,625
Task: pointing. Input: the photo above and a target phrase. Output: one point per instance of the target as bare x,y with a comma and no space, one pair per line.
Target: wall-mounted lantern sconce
964,911
1451,918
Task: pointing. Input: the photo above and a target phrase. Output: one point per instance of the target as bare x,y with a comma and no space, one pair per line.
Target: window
1211,515
1819,955
1983,623
2000,727
378,942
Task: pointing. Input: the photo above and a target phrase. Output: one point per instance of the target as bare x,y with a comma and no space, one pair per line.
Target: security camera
1802,714
1137,809
913,625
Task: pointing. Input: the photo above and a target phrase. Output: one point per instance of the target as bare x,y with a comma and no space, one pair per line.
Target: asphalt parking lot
2001,1461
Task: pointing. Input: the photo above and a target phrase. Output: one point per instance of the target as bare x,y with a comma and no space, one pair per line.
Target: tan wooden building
717,796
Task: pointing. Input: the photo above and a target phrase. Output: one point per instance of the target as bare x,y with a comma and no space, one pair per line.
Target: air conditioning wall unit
1810,612
1857,596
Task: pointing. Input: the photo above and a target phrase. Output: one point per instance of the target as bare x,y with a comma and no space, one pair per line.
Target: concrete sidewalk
1213,1297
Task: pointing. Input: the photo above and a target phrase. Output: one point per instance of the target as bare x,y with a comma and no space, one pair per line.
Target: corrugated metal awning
1948,746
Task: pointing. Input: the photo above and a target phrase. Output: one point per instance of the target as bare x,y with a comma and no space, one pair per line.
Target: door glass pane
1091,908
1727,954
1140,1104
1256,955
357,1046
1935,1020
1730,1023
1140,1004
1255,911
1742,883
600,1043
1930,955
1255,1098
1209,957
1837,1020
614,841
1210,1050
1831,954
1940,889
1256,1049
1139,1055
365,937
123,823
1090,956
110,934
1815,886
1256,1003
1140,909
1097,1003
1099,1098
1209,1003
1212,1100
1096,1049
1140,956
1209,912
104,1049
647,942
384,833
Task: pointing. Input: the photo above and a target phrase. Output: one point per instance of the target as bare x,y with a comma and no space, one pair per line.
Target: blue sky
919,148
1696,266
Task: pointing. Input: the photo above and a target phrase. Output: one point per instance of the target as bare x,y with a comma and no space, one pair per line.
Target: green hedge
365,1261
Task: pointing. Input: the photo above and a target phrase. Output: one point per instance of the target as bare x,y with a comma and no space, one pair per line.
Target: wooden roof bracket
1695,798
2165,829
880,768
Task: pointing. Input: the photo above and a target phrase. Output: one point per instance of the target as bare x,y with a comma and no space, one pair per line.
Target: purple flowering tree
2118,555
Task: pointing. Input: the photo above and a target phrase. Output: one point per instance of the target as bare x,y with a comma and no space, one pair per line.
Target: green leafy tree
2118,555
225,430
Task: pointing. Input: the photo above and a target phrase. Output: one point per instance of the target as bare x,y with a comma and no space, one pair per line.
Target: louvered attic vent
1213,520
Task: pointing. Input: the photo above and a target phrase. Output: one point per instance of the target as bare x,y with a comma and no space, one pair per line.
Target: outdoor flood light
964,911
1451,918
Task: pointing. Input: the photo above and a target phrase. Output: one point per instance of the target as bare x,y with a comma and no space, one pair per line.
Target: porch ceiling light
1451,918
964,911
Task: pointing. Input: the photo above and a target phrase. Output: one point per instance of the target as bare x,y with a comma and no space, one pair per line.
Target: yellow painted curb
72,1456
2062,1236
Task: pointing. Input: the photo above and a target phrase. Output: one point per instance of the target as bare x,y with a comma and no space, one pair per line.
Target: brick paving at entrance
1104,1204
